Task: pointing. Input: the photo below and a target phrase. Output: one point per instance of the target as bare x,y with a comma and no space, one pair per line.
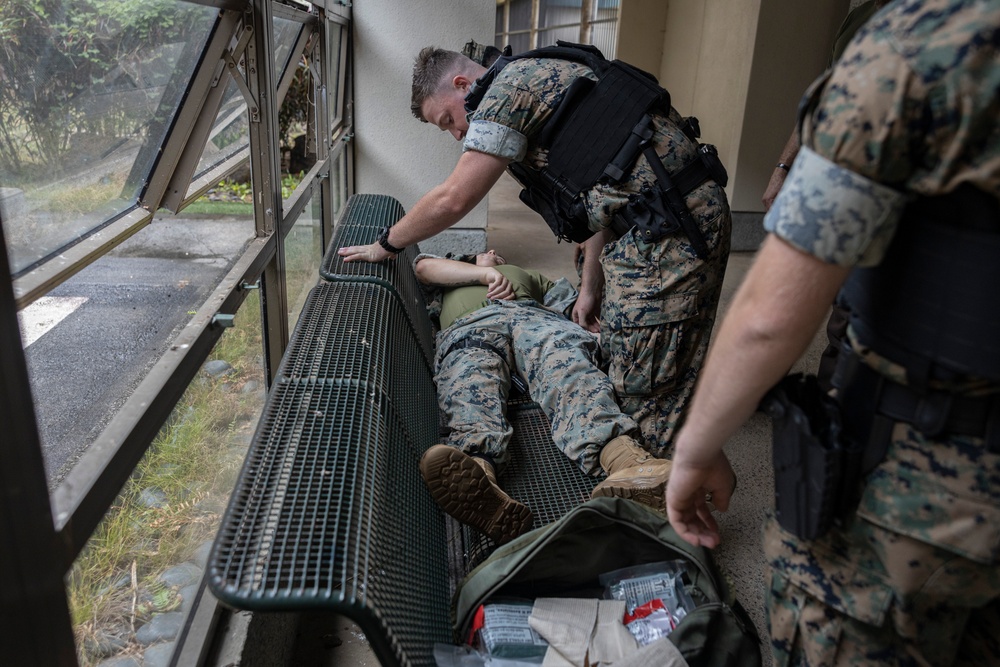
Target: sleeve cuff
833,213
494,139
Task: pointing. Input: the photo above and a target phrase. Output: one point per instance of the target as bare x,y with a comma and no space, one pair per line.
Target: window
529,24
90,91
148,330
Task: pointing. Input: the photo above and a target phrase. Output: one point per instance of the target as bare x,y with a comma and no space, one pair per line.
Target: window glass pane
555,13
604,29
297,111
230,133
285,34
520,19
94,338
138,576
334,94
303,252
89,91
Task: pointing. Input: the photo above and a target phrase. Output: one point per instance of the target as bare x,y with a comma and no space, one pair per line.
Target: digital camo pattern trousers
912,579
659,309
556,358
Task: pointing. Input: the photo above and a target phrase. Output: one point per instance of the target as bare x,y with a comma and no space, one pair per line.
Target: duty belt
936,414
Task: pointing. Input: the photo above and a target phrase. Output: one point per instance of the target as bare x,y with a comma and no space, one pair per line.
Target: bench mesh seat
359,224
329,512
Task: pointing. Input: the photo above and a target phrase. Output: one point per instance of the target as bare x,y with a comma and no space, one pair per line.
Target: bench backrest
329,511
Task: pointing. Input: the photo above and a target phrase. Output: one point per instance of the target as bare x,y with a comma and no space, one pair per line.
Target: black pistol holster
814,472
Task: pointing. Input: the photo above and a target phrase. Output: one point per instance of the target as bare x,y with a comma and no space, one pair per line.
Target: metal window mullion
36,628
81,500
586,21
265,170
321,123
533,34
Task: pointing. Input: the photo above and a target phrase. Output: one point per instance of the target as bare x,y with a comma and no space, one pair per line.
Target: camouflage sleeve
561,297
869,113
861,131
525,93
495,139
833,213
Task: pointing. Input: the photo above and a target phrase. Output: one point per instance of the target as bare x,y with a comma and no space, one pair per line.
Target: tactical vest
595,134
933,303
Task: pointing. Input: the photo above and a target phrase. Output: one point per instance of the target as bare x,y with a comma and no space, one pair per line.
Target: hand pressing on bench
372,252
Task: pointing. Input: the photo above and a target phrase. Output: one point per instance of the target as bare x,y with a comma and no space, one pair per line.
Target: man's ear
461,82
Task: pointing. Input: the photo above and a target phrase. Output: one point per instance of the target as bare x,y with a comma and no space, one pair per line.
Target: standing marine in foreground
895,196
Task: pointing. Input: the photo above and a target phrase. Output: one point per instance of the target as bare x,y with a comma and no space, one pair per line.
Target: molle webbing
933,304
589,132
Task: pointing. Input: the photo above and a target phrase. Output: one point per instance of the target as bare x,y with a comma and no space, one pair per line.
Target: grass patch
221,208
192,465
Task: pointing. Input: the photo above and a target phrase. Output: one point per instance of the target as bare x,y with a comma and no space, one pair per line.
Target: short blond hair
432,68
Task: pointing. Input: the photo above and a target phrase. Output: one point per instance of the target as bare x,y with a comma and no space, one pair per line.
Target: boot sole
461,488
647,490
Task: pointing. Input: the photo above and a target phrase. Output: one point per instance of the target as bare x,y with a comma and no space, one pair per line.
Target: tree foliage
56,54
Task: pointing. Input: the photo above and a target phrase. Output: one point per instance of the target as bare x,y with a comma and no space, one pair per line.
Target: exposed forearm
435,212
772,320
592,274
450,201
449,273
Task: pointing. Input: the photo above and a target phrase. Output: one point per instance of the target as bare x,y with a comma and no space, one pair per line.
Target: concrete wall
741,69
707,52
396,154
792,47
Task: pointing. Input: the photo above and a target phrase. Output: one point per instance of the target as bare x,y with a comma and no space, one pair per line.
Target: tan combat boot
633,473
466,488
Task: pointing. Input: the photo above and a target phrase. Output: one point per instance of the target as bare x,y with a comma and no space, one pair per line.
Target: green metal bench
329,512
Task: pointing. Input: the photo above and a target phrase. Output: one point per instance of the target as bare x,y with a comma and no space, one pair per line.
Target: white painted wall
396,154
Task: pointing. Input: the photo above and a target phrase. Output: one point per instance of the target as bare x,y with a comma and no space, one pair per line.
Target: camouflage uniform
660,299
912,578
557,359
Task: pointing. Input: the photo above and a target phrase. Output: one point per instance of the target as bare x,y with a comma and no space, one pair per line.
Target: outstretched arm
776,312
451,273
440,208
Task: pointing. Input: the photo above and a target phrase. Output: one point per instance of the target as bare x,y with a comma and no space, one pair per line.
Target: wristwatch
383,240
